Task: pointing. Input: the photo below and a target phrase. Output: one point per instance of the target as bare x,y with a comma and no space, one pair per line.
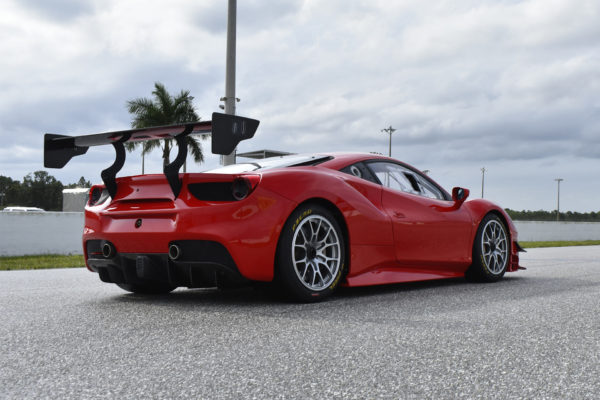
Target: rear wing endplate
227,132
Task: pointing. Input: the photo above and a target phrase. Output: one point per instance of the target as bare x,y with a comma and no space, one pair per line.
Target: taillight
98,195
244,185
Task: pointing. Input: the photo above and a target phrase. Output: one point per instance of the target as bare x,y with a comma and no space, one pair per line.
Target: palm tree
164,109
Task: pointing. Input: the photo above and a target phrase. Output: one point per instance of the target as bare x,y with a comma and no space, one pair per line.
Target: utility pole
229,98
389,130
558,181
482,180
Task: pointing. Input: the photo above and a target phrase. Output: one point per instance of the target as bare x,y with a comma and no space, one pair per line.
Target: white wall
548,231
24,233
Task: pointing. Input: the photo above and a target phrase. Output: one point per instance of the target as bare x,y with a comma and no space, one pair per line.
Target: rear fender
359,203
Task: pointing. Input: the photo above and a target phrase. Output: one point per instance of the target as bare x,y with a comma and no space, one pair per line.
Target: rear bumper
247,231
200,264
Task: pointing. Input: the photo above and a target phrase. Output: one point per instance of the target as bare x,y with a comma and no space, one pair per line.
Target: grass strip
562,243
46,261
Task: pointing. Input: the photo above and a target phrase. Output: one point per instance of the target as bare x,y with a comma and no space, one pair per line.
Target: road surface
536,334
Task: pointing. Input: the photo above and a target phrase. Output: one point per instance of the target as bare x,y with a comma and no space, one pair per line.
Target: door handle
398,214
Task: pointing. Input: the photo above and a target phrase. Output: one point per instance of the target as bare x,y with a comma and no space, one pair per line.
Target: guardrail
23,233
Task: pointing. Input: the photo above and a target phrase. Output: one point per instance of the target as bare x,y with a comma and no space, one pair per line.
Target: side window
428,190
405,180
361,171
395,177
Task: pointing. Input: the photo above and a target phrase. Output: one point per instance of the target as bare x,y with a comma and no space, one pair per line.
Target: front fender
479,208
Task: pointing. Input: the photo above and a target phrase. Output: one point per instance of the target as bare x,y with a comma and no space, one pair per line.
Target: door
429,233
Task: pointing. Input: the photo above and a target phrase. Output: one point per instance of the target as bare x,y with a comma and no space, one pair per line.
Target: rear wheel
311,254
491,251
147,288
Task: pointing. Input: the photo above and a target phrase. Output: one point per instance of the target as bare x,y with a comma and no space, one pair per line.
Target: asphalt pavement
534,335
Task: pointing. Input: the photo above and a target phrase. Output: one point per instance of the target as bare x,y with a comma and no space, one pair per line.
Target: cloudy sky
512,86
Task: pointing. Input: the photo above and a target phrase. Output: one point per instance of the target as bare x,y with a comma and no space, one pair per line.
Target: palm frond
164,109
195,149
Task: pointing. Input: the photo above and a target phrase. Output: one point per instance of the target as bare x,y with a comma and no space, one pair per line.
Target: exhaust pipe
174,252
108,250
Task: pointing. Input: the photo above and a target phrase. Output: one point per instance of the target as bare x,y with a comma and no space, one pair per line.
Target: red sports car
309,223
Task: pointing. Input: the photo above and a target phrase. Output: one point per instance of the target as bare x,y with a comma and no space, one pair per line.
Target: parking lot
536,334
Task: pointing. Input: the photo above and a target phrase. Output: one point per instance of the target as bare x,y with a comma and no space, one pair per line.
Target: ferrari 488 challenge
308,223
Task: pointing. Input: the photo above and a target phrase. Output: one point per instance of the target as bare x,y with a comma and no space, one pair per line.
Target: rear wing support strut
109,175
171,171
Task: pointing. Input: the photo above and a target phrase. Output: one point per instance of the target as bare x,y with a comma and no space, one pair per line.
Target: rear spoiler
227,132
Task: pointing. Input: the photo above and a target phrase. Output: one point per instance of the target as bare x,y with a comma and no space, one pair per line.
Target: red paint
392,236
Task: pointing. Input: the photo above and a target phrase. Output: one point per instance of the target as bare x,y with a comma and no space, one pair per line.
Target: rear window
272,162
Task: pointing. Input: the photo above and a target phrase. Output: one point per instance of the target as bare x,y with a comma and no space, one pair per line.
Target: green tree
10,192
42,190
541,215
81,183
164,109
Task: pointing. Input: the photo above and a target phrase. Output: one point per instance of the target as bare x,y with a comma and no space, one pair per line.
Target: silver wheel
316,252
494,247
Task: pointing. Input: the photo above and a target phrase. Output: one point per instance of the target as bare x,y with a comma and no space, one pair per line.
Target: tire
147,288
491,251
311,254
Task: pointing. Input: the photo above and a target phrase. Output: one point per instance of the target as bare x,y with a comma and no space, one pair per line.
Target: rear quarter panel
358,200
370,236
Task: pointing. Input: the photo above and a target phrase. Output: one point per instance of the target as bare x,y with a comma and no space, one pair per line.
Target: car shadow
393,288
406,303
262,295
259,296
244,295
456,291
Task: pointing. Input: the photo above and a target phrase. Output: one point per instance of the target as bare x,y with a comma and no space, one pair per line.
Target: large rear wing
227,132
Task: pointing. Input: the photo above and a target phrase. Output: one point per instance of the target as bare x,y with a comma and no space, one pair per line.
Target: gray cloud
510,84
59,10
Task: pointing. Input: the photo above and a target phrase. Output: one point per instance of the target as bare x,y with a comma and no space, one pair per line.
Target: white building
75,199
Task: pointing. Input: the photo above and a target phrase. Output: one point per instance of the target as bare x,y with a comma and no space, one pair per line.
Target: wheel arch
339,217
507,225
481,208
502,219
478,271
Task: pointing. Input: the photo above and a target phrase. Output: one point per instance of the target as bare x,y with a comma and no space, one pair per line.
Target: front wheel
491,251
311,254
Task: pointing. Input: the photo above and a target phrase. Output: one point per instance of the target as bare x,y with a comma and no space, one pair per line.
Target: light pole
558,181
482,180
230,70
389,130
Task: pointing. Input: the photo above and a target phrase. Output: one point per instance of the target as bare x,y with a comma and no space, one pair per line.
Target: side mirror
459,195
